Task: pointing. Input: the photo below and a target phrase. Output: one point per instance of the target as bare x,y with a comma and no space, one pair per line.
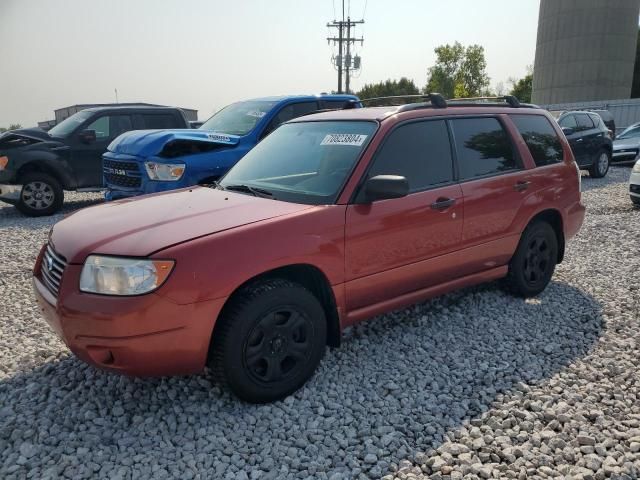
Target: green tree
389,88
13,126
459,71
522,88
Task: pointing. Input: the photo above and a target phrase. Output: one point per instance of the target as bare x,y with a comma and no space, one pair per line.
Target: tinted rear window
158,121
540,137
483,147
584,121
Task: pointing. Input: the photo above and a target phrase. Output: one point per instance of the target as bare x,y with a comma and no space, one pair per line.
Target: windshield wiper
256,192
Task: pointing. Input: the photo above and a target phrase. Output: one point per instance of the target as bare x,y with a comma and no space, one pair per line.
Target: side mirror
87,136
382,187
568,131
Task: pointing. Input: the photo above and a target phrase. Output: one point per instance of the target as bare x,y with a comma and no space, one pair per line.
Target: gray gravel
475,384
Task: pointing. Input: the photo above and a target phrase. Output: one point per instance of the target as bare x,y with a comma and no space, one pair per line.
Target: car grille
122,174
52,269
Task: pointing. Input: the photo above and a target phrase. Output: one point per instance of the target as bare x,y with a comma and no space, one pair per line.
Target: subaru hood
625,143
148,143
144,225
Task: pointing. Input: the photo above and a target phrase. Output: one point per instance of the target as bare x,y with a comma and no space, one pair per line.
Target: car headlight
168,172
636,167
123,276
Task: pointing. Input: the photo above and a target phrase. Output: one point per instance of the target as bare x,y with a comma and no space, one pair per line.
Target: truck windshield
302,162
68,125
238,118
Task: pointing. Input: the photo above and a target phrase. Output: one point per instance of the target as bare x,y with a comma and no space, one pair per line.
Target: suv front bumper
145,335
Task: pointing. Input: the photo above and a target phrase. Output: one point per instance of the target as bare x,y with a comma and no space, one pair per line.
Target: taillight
610,134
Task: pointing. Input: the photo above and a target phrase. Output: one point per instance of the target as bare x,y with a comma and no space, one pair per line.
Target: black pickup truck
37,166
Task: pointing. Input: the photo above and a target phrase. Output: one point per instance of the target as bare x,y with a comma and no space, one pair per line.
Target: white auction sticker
216,137
352,139
256,113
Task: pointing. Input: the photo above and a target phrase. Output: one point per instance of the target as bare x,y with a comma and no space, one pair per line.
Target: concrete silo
585,50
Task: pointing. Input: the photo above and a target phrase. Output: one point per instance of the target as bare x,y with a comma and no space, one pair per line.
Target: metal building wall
585,50
625,112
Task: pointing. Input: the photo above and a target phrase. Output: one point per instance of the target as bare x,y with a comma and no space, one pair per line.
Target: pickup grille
122,174
52,269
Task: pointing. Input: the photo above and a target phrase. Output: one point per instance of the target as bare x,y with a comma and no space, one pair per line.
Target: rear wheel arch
553,218
310,277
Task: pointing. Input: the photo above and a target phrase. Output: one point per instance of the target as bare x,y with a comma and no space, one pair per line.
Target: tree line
458,72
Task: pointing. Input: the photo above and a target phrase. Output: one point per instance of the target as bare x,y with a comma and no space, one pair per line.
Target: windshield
238,118
304,162
630,132
68,125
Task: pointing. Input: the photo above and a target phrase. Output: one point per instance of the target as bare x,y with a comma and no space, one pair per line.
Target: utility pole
344,63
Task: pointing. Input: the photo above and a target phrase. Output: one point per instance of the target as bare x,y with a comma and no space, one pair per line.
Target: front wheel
601,166
635,201
269,341
532,266
41,195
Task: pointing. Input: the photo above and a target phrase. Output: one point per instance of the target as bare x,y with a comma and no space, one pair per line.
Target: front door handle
521,186
579,140
442,203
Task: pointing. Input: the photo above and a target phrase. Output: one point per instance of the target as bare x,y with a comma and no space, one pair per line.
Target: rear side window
584,121
158,121
540,137
120,124
483,147
420,152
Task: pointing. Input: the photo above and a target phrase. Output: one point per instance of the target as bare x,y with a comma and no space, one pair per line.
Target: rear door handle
579,140
442,203
521,186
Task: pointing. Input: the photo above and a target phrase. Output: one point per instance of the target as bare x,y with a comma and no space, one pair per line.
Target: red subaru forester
333,218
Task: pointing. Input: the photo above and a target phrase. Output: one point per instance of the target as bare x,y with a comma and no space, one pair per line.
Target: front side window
101,127
420,152
540,137
302,162
290,112
120,124
483,147
569,122
68,125
238,118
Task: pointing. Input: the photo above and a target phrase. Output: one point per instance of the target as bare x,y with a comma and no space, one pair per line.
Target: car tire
41,195
535,259
601,164
269,340
635,201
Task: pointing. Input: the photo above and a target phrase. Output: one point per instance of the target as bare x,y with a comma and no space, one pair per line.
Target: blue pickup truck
148,161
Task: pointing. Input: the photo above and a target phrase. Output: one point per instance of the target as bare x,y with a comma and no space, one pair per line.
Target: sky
204,54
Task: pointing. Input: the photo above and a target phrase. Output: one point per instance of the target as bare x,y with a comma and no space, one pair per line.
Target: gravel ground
475,384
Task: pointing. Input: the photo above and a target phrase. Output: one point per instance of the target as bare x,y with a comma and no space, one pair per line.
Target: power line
345,63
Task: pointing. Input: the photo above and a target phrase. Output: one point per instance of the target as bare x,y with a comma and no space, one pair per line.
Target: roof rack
436,100
511,100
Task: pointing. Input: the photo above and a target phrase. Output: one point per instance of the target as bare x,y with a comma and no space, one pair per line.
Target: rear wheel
532,266
41,195
601,166
269,341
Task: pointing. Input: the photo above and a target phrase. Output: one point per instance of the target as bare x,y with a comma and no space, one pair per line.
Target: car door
494,185
591,137
86,156
288,112
397,246
576,140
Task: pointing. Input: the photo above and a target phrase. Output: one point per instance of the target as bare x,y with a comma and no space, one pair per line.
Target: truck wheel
601,166
269,340
532,266
41,195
